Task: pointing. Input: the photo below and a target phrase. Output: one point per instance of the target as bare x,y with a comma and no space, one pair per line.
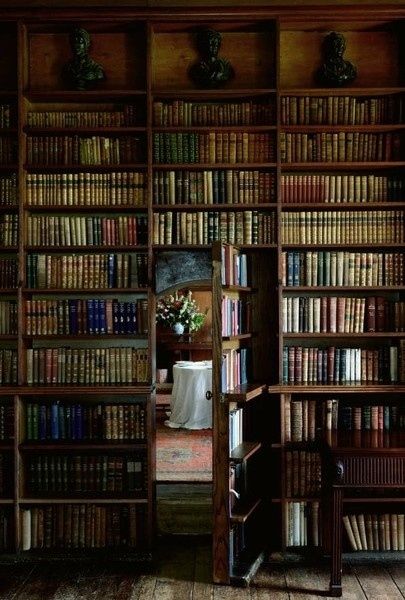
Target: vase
178,328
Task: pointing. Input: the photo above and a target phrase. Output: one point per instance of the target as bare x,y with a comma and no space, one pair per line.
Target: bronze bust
82,72
211,71
335,71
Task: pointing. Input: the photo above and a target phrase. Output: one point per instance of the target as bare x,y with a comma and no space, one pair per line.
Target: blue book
96,316
90,316
102,315
73,317
111,271
54,422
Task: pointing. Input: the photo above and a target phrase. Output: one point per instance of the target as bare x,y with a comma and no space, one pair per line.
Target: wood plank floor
183,571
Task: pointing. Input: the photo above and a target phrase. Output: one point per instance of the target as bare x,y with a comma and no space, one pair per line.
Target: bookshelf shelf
93,291
225,128
243,512
244,451
346,128
124,130
400,205
349,245
342,166
88,168
52,96
211,207
97,209
78,446
91,248
213,94
88,336
94,500
190,166
245,392
8,209
346,91
343,288
365,335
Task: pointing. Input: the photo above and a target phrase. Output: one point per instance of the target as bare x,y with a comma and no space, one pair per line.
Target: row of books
6,115
343,227
341,110
75,150
341,314
303,421
79,316
59,421
186,114
234,147
8,273
213,187
83,118
239,227
375,532
8,366
8,317
86,231
339,147
329,268
6,422
8,230
300,419
236,316
331,365
87,366
74,526
234,269
8,150
234,368
235,428
121,188
341,188
375,417
303,473
8,190
86,271
302,524
86,473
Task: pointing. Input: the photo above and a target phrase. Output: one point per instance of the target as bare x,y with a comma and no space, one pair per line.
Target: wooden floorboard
377,583
183,572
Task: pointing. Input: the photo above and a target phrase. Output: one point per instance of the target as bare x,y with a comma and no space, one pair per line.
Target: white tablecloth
189,406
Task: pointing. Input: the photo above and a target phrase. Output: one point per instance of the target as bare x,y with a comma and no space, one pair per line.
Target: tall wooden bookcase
305,180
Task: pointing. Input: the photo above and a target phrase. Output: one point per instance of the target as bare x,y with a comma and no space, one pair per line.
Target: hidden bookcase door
242,343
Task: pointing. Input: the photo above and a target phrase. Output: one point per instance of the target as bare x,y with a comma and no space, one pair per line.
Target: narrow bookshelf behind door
342,262
243,341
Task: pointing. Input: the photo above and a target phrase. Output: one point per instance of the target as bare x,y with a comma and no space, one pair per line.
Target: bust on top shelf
82,72
335,71
211,71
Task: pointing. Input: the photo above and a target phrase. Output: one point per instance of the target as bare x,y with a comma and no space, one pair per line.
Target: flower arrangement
180,309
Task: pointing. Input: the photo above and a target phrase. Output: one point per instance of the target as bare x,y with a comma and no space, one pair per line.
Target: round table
189,406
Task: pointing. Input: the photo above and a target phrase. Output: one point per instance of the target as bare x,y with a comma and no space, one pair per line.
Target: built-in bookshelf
306,180
341,282
76,430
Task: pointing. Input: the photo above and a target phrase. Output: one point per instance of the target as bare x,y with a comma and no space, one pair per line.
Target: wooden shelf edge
244,511
243,570
245,392
67,500
327,389
78,446
244,451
